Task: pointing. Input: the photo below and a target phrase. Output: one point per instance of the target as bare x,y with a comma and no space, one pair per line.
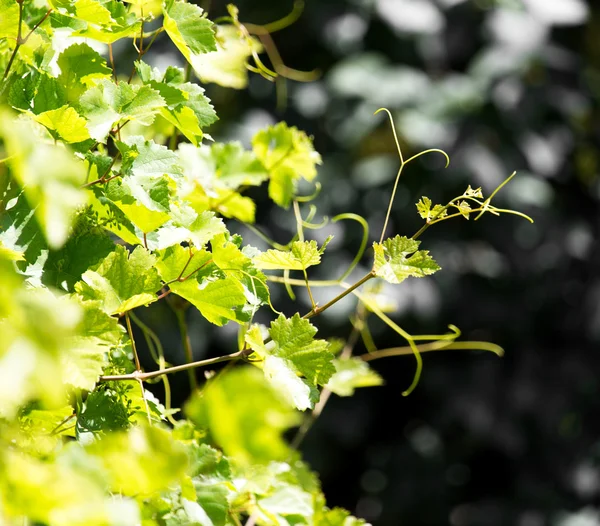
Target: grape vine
112,198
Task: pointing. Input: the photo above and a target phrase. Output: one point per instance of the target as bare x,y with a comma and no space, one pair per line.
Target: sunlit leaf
65,124
399,258
288,155
140,461
464,208
107,104
48,173
188,28
227,65
243,416
351,374
294,352
427,212
122,282
302,254
80,66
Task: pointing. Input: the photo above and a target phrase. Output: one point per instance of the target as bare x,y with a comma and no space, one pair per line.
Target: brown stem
104,179
186,265
101,180
163,295
20,39
318,310
194,271
112,62
138,367
168,370
187,345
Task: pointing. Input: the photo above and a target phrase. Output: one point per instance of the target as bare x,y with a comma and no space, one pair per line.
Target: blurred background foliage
501,85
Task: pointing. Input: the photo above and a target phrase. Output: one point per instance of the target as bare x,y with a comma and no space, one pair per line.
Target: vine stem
187,345
433,346
112,63
318,310
158,355
326,393
20,39
403,163
168,370
138,367
308,423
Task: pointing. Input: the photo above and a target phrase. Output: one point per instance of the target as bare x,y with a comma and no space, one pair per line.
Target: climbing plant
114,197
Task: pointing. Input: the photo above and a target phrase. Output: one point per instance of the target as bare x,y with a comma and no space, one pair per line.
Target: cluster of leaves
112,197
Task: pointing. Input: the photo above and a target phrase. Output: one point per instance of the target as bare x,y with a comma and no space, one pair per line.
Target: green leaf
144,194
107,104
59,492
351,374
103,412
399,258
294,352
8,254
283,377
303,254
294,340
48,343
143,158
86,10
218,301
227,66
80,67
281,145
221,166
213,498
215,173
42,429
20,232
236,206
188,28
281,493
338,517
209,463
111,217
37,92
177,262
464,208
192,114
9,22
235,167
142,461
470,192
48,173
187,108
84,250
85,358
243,416
287,500
288,155
142,405
236,263
427,212
64,124
186,225
122,283
123,23
282,186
